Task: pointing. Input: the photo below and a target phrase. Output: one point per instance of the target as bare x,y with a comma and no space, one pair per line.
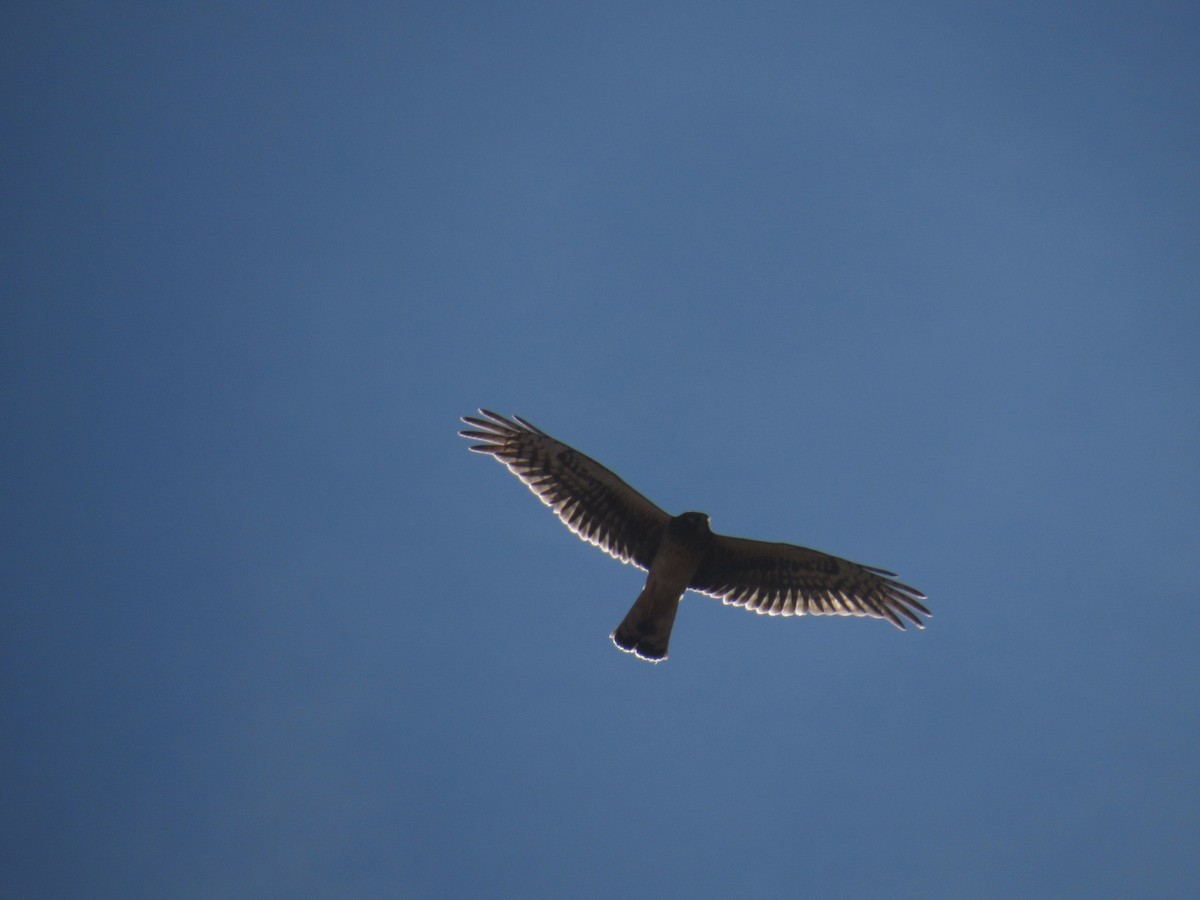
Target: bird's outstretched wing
591,501
786,580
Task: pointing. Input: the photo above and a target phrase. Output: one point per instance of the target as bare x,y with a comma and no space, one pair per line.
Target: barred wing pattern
786,580
590,500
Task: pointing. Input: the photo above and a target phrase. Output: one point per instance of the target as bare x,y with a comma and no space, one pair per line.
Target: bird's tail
646,628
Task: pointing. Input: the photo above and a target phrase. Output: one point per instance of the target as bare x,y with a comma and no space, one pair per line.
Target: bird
681,553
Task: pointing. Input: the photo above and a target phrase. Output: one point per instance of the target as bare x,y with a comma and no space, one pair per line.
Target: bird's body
646,629
682,552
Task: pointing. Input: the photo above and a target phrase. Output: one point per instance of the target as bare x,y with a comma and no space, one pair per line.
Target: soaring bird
681,552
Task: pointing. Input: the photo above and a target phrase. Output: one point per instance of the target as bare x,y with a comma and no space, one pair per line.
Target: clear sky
915,284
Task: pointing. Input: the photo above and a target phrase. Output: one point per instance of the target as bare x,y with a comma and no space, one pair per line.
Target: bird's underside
681,553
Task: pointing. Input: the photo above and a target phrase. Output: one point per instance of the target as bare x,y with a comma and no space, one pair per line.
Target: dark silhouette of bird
681,552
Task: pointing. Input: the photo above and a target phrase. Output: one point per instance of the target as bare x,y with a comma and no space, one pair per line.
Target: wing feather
589,499
786,580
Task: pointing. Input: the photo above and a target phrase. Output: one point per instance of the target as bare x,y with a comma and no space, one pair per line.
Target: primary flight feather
680,552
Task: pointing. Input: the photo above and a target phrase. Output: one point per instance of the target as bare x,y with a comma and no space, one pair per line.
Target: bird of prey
680,552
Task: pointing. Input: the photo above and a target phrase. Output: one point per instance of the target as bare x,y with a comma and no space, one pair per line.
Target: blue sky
915,284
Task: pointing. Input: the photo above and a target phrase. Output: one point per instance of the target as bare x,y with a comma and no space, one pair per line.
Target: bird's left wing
591,501
786,580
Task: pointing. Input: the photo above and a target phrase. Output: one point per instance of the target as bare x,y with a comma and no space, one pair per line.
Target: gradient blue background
915,284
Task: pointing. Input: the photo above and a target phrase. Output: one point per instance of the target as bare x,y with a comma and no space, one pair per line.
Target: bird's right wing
787,580
591,501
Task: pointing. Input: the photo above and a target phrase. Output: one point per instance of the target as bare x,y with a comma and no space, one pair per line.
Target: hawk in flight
680,552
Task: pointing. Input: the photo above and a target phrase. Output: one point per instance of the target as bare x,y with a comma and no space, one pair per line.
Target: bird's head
694,522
